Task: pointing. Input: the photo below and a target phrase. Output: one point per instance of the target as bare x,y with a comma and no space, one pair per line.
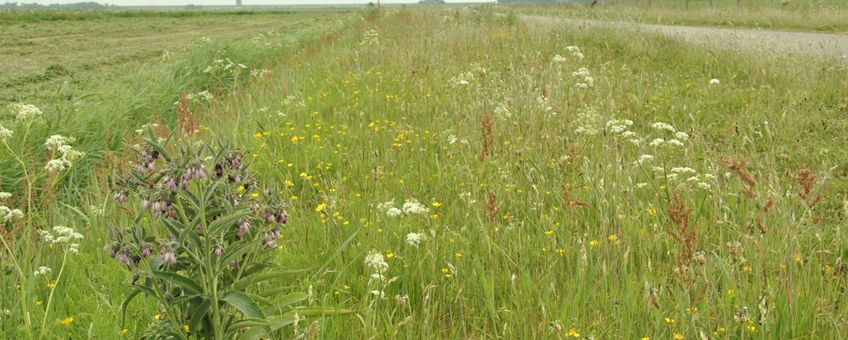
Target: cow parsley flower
644,158
413,239
7,214
393,212
26,112
55,165
558,59
375,261
715,81
663,126
5,133
657,142
412,207
42,271
5,195
575,52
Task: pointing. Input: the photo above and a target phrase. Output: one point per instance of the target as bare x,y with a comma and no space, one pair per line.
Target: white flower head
715,81
412,207
26,112
42,271
414,239
375,261
5,133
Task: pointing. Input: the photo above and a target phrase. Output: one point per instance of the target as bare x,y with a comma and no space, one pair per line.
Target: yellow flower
692,310
670,321
678,336
390,255
158,316
67,321
549,232
186,329
125,331
646,338
593,243
437,205
612,238
257,135
458,254
572,333
652,211
254,195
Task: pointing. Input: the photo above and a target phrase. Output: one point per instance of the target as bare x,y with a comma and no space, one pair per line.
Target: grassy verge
531,229
102,106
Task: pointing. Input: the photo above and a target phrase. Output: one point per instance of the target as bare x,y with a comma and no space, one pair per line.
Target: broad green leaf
183,281
244,303
198,312
136,290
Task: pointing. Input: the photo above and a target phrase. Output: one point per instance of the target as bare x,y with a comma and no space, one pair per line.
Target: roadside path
774,42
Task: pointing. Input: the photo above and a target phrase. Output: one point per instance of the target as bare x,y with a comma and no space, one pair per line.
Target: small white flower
5,195
704,185
413,239
683,136
55,165
558,59
412,207
644,158
42,270
375,261
393,212
674,142
715,81
5,133
683,170
663,126
657,142
26,112
641,185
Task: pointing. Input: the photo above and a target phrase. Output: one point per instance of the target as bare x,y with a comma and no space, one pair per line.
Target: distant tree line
78,5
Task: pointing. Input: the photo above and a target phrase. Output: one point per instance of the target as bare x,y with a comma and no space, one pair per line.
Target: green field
791,15
444,173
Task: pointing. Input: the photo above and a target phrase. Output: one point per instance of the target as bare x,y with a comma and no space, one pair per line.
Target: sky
226,2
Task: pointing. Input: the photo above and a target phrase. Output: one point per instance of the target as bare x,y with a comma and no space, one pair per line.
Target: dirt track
772,42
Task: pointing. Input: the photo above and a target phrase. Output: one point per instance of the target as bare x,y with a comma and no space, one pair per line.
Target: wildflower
169,258
5,195
651,211
669,321
549,232
558,59
644,158
715,81
67,321
678,336
26,112
572,333
42,271
411,206
186,329
7,214
657,142
5,133
660,126
414,239
393,212
376,262
593,243
55,165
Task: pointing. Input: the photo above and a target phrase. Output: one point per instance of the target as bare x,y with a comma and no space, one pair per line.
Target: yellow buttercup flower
67,321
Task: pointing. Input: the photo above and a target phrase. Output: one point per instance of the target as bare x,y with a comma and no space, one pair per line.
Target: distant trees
431,2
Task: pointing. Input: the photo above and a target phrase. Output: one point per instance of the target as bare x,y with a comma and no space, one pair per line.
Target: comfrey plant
201,241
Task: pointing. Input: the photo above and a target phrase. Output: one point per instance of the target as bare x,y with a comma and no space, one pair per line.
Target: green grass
353,119
815,16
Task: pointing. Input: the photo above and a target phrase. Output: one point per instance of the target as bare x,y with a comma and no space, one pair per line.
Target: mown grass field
516,179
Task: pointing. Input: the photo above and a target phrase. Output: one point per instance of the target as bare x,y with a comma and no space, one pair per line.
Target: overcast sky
226,2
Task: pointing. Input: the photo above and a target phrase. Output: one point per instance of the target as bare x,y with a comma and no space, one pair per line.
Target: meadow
428,173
